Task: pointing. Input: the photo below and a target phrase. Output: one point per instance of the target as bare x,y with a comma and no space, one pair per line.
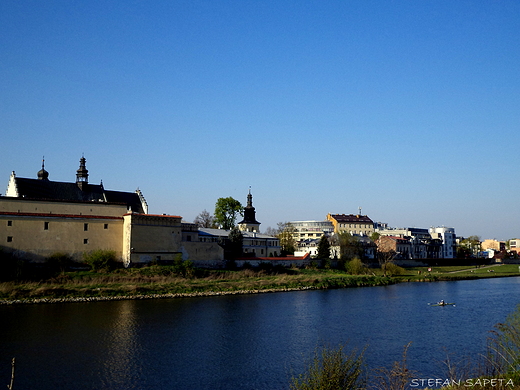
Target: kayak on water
442,303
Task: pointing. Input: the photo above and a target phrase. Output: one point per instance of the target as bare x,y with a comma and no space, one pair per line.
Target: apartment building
355,224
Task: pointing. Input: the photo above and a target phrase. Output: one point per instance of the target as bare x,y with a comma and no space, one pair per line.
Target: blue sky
409,109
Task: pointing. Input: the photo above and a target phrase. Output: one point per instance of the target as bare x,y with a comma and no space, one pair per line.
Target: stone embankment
148,296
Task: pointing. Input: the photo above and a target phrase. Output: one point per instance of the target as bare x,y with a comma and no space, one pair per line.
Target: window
188,238
9,223
105,226
9,239
46,226
85,227
85,241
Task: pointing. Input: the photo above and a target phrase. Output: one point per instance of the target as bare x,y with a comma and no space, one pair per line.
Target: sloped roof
351,218
225,233
62,191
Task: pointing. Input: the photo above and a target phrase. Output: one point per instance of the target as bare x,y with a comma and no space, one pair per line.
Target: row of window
46,225
10,239
356,225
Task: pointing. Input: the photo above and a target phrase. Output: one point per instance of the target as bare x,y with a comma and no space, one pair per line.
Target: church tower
82,175
249,223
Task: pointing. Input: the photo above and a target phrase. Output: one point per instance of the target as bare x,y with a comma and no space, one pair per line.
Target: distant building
307,235
514,245
43,189
401,246
40,217
254,243
311,230
448,239
422,245
355,224
496,246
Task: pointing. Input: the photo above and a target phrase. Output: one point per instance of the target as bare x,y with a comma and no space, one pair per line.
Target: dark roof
61,191
351,218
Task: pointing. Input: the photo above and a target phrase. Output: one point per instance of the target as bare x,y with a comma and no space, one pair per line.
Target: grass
154,280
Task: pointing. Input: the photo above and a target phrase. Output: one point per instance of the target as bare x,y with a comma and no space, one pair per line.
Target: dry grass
165,279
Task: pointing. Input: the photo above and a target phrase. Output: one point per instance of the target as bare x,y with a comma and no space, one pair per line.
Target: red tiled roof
49,215
155,215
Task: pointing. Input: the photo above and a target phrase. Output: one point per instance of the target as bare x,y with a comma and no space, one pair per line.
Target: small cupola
42,173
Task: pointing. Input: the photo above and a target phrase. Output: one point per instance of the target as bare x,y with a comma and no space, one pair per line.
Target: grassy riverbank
163,281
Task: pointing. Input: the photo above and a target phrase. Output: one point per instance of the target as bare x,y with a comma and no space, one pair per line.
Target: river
247,341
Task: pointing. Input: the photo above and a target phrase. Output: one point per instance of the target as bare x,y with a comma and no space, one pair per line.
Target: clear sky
409,109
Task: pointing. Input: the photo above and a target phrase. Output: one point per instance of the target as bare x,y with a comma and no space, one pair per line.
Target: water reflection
120,364
244,342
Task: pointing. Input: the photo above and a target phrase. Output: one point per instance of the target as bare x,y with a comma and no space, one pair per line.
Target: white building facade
448,237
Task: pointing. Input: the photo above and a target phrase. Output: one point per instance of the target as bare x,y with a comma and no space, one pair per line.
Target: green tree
226,212
324,251
349,246
469,247
375,236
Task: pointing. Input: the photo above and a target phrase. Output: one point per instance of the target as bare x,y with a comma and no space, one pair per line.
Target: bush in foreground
504,348
332,369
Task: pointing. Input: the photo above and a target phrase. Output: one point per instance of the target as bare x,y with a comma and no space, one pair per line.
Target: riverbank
159,282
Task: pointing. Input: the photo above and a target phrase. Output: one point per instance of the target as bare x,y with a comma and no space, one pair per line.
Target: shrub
356,267
332,369
504,348
396,378
184,268
391,269
326,263
101,259
265,266
11,267
59,262
313,265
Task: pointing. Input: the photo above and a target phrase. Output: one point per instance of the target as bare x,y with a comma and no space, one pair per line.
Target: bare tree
286,237
205,220
385,252
396,378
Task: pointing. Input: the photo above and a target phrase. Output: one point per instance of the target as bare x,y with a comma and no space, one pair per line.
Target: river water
246,341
